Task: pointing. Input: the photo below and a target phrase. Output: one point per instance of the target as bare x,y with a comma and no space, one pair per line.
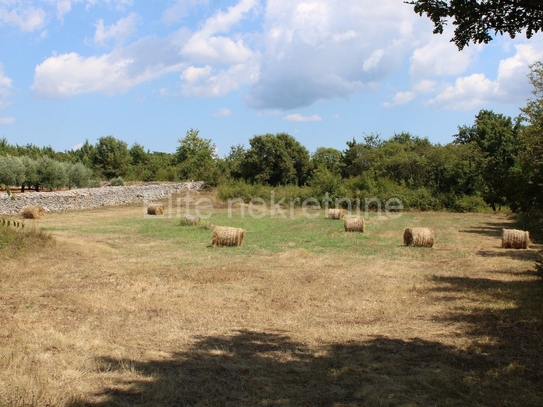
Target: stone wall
87,198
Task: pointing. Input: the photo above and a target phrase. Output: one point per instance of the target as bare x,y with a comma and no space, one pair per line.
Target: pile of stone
86,198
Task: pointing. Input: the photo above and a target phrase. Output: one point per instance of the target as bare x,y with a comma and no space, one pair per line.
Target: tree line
495,162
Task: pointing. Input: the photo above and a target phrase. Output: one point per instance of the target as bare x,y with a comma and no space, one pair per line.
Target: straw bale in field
335,214
32,212
354,225
190,220
155,209
227,236
515,239
418,237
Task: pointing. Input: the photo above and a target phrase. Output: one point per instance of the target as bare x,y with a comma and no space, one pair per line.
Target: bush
241,190
467,203
93,183
327,184
116,182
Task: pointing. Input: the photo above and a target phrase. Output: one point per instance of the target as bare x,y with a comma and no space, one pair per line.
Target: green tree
111,157
6,148
84,154
32,179
497,138
359,158
196,158
528,197
138,154
12,171
329,158
275,160
233,161
477,20
51,173
77,175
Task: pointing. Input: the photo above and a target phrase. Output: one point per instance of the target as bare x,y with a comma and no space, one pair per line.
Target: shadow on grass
509,335
518,254
251,368
490,228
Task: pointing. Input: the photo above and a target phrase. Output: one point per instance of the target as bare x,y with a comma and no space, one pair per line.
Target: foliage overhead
477,20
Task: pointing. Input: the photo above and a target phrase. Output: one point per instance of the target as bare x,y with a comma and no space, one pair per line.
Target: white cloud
6,88
77,146
63,8
224,112
117,4
401,98
164,92
197,74
27,19
178,11
207,48
425,86
117,32
296,117
477,90
7,120
467,93
324,49
71,74
207,82
440,57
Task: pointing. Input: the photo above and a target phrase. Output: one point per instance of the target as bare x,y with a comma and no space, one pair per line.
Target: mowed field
124,309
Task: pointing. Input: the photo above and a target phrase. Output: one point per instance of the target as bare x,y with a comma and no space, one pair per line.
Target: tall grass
18,241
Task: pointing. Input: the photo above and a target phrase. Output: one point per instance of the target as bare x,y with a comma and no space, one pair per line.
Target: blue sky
324,71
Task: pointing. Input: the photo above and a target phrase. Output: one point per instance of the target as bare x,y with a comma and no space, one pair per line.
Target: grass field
122,309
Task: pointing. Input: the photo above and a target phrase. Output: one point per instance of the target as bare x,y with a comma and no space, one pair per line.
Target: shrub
116,182
468,203
93,183
241,190
326,183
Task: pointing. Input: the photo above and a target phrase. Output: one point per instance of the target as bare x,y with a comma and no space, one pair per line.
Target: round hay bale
32,212
190,220
227,236
155,209
354,225
418,237
335,214
515,239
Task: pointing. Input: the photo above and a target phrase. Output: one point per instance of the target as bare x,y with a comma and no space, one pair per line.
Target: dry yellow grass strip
419,237
515,239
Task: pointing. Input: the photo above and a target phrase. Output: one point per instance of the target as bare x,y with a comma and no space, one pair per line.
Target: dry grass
132,311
